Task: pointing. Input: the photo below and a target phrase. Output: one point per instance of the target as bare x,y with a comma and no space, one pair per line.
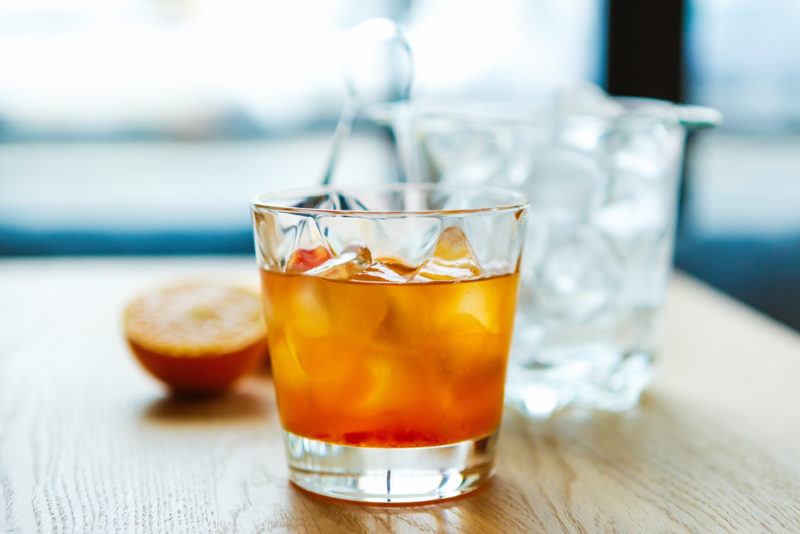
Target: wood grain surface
88,443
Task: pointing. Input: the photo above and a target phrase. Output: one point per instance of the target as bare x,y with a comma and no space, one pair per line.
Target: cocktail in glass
390,312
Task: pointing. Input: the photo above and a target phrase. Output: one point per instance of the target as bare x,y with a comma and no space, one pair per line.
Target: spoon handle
346,120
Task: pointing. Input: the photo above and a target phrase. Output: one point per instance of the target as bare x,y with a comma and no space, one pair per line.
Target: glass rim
280,200
690,116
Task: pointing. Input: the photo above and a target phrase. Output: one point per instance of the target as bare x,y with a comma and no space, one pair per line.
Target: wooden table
88,443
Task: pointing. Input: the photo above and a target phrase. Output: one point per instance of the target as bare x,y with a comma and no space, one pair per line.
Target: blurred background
145,126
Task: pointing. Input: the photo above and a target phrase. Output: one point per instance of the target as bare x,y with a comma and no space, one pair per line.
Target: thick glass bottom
594,378
383,475
604,363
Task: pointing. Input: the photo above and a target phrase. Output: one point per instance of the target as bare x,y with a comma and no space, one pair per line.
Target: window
144,126
742,216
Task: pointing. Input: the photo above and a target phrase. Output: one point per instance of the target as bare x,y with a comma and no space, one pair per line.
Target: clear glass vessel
390,312
601,175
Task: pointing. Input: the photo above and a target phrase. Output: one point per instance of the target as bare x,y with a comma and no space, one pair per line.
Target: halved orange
197,336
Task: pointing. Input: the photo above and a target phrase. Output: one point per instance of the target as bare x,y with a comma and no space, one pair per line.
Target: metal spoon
377,45
377,67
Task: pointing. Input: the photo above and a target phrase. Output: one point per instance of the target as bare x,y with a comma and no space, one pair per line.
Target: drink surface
373,363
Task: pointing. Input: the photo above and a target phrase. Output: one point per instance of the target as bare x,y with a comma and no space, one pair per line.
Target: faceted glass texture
390,312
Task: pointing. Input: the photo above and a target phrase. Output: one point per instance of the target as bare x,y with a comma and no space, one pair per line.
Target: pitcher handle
698,117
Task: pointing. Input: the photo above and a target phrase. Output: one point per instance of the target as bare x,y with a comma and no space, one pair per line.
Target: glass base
383,475
599,378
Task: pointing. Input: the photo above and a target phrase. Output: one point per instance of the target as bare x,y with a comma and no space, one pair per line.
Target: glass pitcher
601,175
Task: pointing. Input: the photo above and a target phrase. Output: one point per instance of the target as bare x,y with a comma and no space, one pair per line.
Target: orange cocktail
382,364
390,312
